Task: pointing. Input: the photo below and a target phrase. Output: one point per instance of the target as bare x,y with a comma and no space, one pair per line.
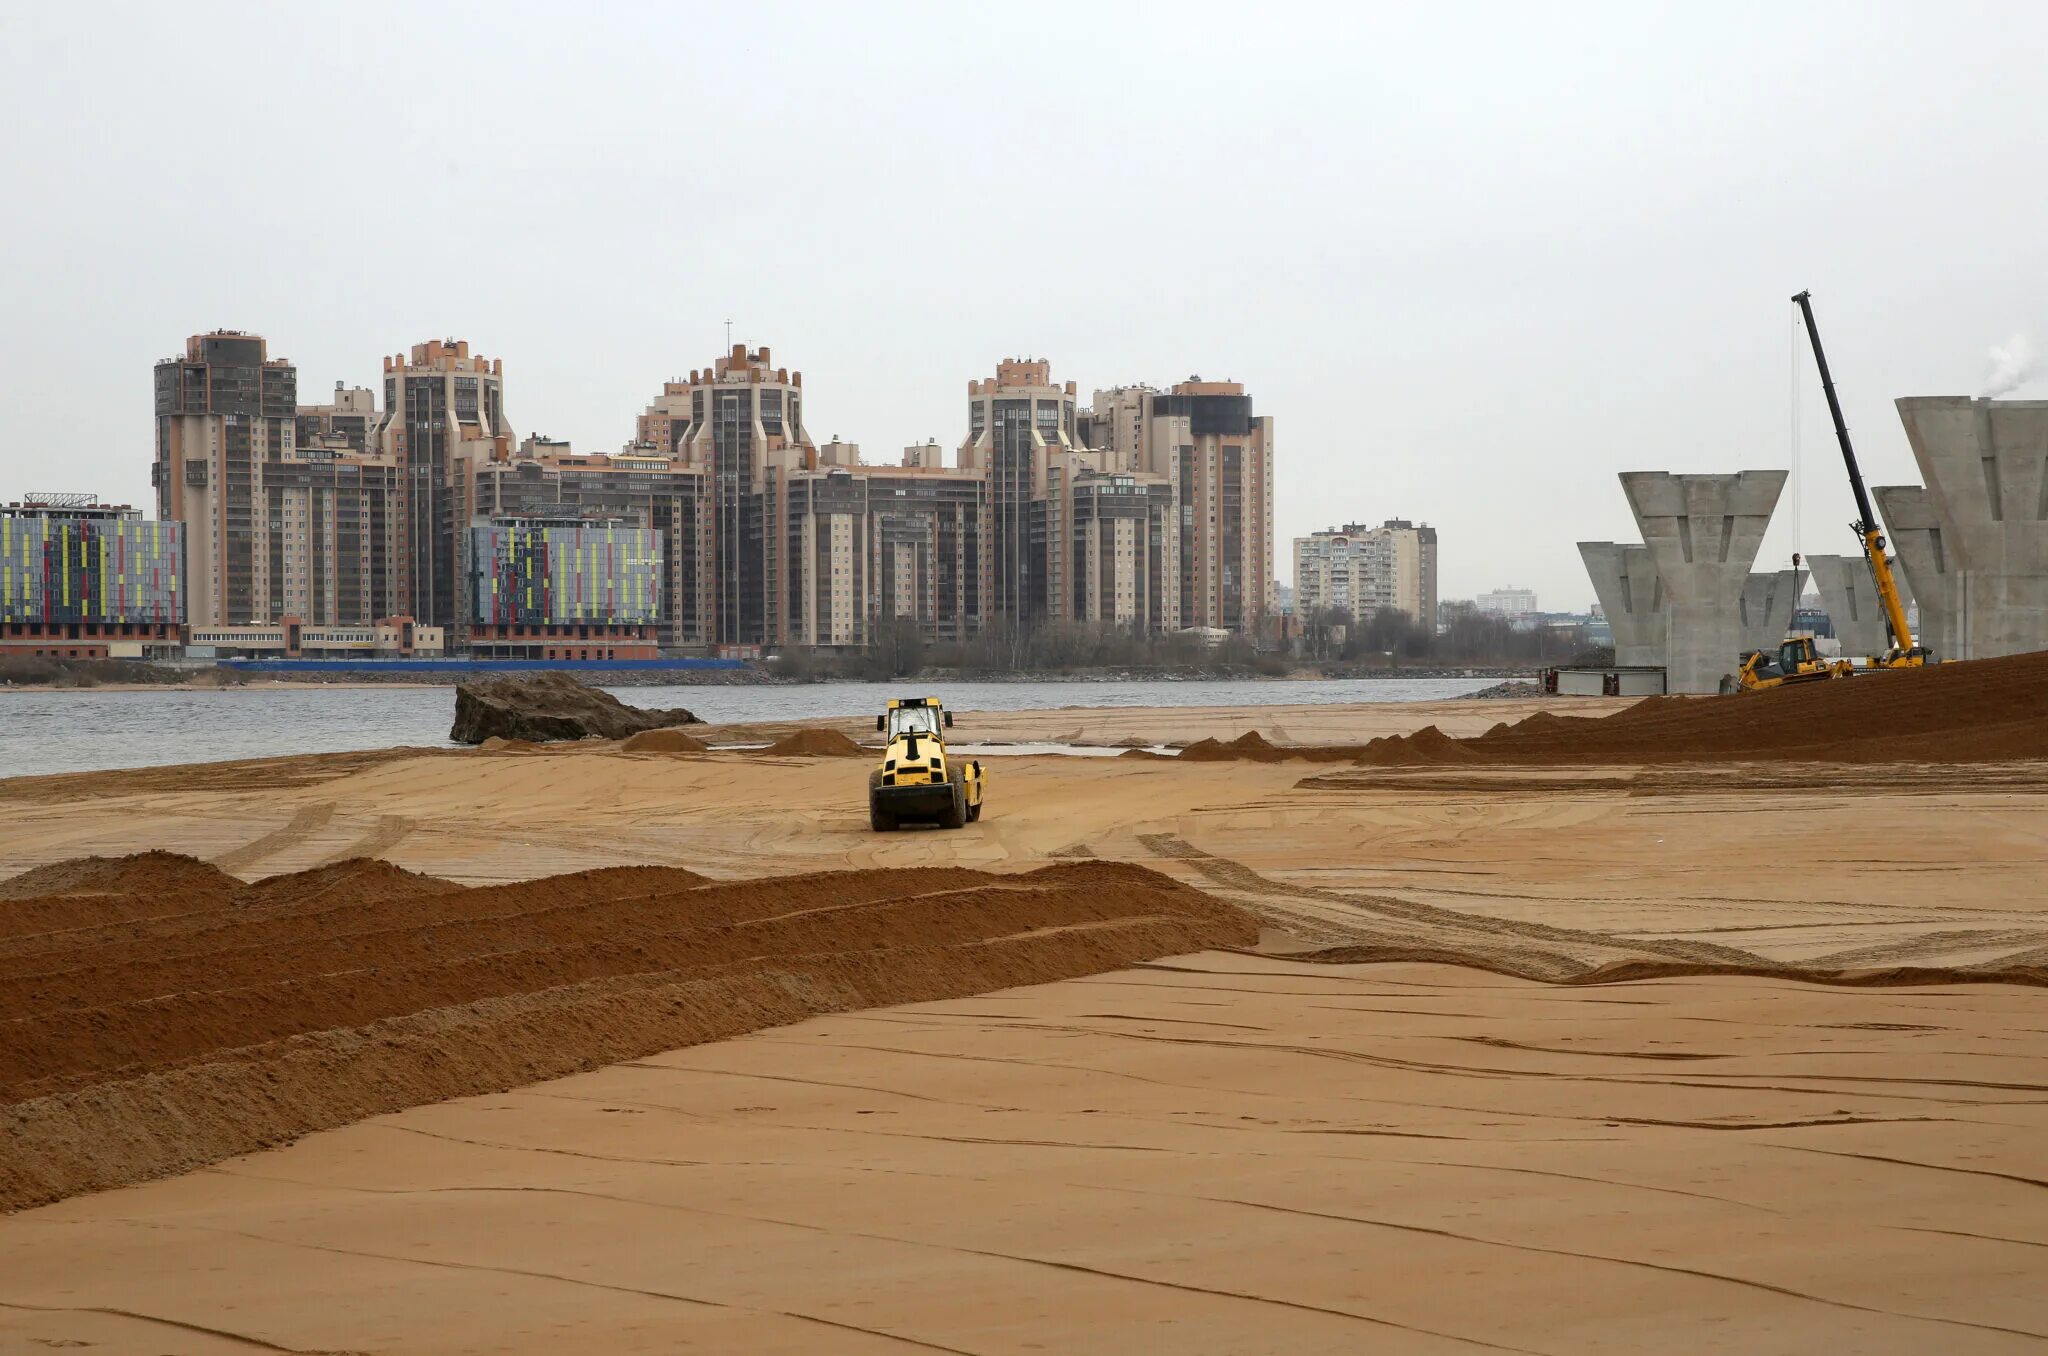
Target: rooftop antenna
728,336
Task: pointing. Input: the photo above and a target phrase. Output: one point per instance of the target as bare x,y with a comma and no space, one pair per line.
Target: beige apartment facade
1020,428
224,413
444,417
1203,439
740,423
1361,570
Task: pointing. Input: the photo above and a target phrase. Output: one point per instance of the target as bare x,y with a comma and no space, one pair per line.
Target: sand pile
500,744
1981,710
1253,747
664,741
138,1039
817,744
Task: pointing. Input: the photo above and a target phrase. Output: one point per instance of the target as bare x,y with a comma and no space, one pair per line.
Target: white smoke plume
2010,365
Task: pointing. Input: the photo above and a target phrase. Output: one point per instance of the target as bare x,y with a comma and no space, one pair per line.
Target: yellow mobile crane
1796,661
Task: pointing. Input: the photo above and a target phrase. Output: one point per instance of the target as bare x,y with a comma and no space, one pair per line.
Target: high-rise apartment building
444,414
1021,437
1362,570
336,507
1203,439
871,544
224,412
1123,531
740,423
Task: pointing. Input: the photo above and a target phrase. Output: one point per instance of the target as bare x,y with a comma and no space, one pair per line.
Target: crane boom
1866,525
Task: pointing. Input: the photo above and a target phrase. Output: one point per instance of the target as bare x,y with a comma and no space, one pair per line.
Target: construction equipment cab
1795,661
918,779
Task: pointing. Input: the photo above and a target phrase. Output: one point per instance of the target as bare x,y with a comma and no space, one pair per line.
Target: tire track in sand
296,828
390,831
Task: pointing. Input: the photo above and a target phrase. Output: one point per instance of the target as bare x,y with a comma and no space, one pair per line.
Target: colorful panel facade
558,575
99,570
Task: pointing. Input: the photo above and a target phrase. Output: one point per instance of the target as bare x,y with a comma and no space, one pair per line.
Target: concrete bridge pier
1913,529
1632,598
1703,531
1985,464
1768,601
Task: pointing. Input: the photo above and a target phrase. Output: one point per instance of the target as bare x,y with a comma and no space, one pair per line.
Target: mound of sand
355,878
1253,747
817,744
500,744
109,890
664,741
141,1042
139,874
1980,710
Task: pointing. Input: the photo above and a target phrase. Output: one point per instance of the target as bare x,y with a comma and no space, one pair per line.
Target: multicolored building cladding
549,588
83,580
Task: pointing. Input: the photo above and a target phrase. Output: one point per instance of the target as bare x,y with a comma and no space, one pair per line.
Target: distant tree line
900,649
1465,637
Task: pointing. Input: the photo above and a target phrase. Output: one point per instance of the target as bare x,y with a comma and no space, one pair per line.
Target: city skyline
721,524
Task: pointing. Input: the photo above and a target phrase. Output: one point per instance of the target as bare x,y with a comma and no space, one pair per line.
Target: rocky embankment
544,707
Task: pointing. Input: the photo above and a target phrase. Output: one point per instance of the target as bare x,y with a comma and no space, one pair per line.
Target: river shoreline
226,680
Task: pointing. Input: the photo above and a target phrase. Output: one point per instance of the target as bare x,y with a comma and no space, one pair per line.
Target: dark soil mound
549,706
1979,710
90,891
137,873
355,877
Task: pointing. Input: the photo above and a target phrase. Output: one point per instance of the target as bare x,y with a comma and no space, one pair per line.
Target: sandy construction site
1718,1024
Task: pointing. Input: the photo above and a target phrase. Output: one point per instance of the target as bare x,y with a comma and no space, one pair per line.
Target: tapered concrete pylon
1914,529
1768,601
1631,598
1850,596
1703,532
1985,463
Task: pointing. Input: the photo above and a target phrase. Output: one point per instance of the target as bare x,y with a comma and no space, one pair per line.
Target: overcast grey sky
1474,258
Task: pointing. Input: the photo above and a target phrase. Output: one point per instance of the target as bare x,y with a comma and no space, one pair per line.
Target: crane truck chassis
918,778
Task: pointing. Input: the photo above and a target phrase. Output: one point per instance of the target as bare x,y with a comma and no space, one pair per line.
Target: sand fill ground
1213,1154
158,1014
1734,1050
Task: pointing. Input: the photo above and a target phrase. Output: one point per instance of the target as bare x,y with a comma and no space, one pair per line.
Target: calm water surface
87,731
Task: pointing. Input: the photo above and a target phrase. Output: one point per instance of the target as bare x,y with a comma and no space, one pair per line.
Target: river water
88,731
